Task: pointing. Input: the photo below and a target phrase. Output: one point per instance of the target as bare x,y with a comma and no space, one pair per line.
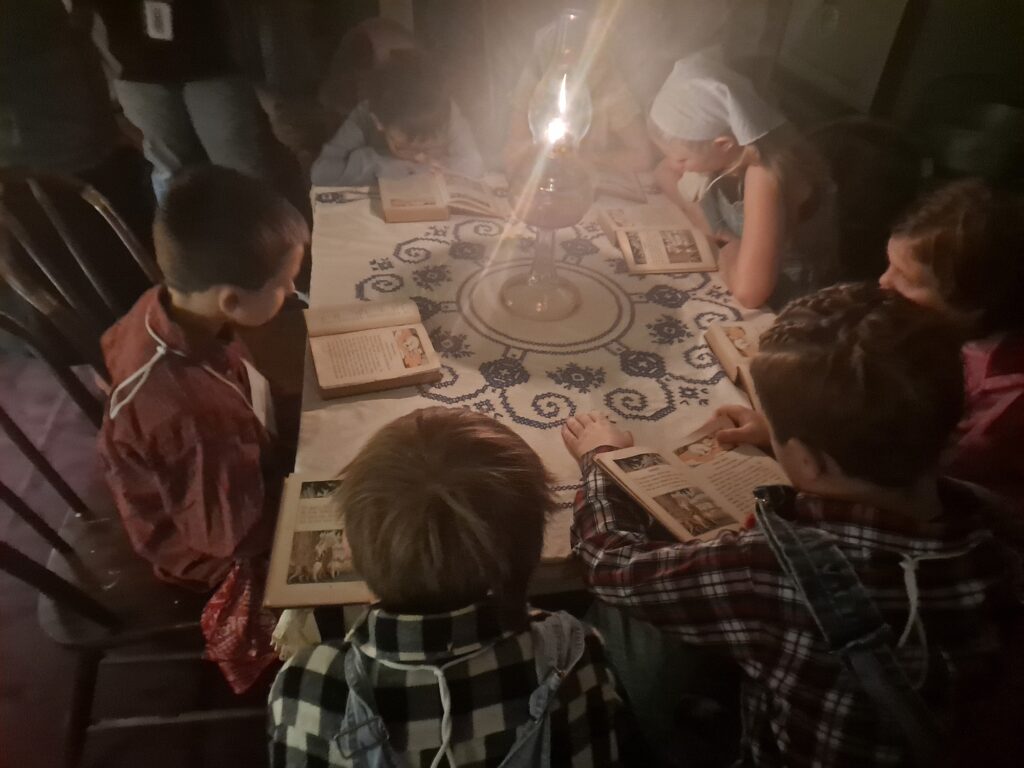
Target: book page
670,493
360,316
736,343
411,190
472,195
311,562
666,250
734,473
366,356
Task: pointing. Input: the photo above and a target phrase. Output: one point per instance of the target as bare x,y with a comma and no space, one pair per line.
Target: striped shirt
800,705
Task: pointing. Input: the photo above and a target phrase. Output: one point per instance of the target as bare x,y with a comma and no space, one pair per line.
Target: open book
432,195
370,346
657,239
735,344
696,489
311,563
609,181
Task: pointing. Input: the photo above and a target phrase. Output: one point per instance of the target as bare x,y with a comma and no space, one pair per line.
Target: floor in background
35,674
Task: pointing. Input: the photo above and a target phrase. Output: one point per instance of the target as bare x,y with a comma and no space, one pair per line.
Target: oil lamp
555,190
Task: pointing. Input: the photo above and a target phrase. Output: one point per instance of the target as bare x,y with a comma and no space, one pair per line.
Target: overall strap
363,737
848,619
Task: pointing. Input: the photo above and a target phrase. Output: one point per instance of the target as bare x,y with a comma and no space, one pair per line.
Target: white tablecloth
634,349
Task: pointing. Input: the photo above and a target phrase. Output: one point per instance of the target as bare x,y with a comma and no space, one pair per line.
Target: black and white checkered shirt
490,691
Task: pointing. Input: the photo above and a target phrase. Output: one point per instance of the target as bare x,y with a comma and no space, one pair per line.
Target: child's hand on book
588,431
751,428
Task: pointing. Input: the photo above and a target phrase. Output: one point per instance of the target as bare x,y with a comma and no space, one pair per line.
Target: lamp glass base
550,297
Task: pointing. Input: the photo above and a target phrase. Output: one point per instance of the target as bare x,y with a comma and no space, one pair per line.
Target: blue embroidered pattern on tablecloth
641,359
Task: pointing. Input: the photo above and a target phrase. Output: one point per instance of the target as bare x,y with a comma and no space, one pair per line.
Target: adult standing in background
179,84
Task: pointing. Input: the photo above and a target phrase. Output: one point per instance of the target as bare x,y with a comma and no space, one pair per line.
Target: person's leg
231,124
685,699
169,141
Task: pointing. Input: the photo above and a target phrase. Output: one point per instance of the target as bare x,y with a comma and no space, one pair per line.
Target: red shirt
990,448
185,456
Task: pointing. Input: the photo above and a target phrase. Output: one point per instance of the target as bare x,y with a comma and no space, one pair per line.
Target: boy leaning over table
880,390
187,439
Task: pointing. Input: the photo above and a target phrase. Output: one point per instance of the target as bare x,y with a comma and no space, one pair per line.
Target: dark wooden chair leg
80,712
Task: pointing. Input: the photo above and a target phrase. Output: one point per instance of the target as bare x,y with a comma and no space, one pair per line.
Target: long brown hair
796,164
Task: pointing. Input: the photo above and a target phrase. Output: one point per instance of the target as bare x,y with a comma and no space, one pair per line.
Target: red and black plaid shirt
800,706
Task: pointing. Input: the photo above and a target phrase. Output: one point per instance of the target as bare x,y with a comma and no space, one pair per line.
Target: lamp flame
558,127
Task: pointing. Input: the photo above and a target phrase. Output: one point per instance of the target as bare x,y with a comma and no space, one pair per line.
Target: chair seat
113,574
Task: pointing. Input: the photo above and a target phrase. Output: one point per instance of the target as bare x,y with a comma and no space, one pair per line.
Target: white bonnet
702,99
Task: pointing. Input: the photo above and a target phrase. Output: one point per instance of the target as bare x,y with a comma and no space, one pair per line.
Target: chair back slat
45,263
74,248
42,464
61,591
46,346
102,206
35,521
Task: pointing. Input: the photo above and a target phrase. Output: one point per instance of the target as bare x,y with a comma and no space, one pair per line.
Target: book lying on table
310,562
432,195
609,181
697,489
735,344
370,346
666,250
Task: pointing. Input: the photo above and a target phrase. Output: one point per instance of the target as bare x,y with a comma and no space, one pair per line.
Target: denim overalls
363,738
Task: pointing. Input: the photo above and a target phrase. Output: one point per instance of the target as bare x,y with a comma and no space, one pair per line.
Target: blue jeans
217,120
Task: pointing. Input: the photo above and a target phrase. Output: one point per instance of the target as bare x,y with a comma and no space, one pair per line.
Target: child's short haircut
865,376
972,239
410,92
217,226
443,507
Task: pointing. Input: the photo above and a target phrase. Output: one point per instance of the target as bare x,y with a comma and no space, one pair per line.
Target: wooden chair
99,599
66,235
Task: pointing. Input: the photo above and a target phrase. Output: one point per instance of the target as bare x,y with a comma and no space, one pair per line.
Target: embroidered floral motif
504,372
579,247
667,329
580,378
428,308
468,251
381,265
431,277
451,345
648,365
666,296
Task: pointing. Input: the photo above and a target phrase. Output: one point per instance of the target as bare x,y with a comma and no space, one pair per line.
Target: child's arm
703,591
463,155
346,160
667,178
750,267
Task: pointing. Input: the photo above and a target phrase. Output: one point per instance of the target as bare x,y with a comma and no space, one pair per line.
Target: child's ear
725,144
810,464
228,301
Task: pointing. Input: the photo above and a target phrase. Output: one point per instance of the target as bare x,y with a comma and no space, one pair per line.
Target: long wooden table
634,349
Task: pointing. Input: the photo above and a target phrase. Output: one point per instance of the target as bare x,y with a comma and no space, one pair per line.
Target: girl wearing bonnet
738,169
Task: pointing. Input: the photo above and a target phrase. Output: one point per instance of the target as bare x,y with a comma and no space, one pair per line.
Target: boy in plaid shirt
861,391
445,513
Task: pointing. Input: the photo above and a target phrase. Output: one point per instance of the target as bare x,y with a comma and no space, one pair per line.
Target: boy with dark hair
868,533
186,440
409,117
445,512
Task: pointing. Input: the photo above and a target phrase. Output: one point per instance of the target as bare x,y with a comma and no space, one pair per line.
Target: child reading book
186,440
616,138
409,117
867,523
445,512
766,194
961,250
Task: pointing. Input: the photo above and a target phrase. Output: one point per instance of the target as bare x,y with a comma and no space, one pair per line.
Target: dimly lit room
479,383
